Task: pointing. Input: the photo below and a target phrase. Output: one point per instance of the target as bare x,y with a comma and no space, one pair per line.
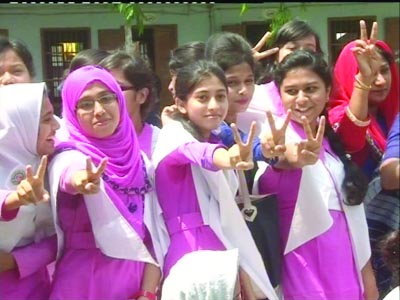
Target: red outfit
353,136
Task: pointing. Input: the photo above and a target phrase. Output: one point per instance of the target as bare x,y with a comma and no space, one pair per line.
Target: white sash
113,234
216,193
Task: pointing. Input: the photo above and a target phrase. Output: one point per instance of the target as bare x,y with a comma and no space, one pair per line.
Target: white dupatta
113,234
20,110
216,192
312,208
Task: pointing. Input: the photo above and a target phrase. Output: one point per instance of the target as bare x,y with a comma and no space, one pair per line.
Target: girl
365,101
137,83
293,35
205,234
16,62
28,243
234,55
100,211
323,229
365,98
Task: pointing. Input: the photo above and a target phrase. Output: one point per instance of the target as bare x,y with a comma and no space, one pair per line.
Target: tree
132,13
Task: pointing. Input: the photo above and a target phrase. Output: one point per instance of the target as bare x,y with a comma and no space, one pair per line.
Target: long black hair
291,31
355,184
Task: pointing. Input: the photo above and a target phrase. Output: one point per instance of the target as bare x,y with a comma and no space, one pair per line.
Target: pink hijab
345,69
125,167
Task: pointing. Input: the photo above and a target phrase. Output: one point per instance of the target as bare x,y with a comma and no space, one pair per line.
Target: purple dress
322,268
83,271
30,279
178,200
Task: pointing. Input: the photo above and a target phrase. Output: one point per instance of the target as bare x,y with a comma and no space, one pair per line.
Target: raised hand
273,141
88,181
241,154
166,114
257,55
31,190
306,152
366,55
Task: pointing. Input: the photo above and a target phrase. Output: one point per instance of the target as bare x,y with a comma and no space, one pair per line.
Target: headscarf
20,110
125,167
346,68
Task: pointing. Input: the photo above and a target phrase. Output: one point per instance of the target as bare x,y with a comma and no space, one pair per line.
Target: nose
380,79
243,89
301,97
98,108
6,78
56,124
213,104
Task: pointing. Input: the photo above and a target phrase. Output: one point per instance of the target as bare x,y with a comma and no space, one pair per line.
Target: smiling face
13,69
305,93
47,129
206,105
240,80
306,43
97,111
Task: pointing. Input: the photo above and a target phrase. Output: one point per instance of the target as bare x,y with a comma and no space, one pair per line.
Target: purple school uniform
315,269
178,200
92,270
30,279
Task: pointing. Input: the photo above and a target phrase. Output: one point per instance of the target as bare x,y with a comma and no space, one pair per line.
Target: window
343,30
59,47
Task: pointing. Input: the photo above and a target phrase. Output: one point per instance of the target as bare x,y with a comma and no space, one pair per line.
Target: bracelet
362,85
356,121
147,294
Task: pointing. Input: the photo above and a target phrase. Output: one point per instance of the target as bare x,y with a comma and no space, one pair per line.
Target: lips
243,101
102,122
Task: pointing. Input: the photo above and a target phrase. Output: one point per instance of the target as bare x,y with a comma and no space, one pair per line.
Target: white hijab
20,110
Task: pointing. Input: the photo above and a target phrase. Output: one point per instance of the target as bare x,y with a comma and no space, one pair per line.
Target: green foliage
132,14
243,9
282,16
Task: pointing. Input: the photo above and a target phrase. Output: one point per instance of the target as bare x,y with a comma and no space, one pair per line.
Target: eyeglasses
87,105
126,88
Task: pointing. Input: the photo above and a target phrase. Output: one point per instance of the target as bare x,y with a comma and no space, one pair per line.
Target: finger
91,188
102,167
29,196
29,173
363,31
374,33
252,133
267,53
287,119
42,167
236,134
262,41
307,128
244,165
45,197
271,122
89,165
321,130
309,157
280,149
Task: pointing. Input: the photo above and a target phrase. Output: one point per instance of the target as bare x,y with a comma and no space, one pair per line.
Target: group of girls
129,211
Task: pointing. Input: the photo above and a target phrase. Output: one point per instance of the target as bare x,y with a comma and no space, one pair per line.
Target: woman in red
365,98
